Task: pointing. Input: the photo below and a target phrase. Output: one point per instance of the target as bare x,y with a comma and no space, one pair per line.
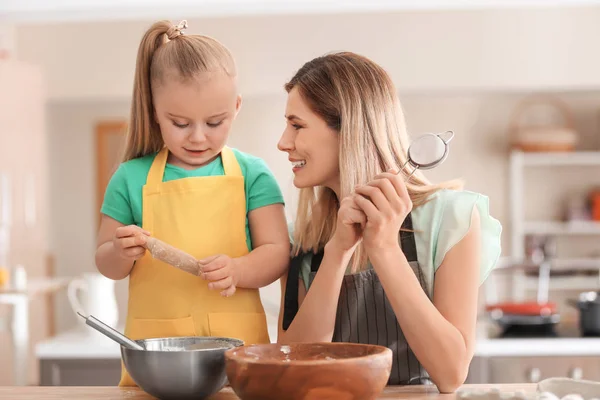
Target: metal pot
526,323
589,313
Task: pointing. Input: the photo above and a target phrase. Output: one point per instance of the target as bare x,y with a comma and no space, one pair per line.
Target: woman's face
312,146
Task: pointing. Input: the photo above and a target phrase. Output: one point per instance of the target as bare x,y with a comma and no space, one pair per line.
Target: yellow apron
203,216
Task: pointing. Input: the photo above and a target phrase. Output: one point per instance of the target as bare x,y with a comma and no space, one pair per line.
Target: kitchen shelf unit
521,227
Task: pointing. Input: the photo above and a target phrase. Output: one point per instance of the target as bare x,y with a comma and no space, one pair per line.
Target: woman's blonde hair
165,52
357,98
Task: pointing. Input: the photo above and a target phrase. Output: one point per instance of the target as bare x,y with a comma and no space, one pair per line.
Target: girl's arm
271,248
263,265
118,247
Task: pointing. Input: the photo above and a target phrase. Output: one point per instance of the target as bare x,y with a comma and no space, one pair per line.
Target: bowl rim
234,341
230,354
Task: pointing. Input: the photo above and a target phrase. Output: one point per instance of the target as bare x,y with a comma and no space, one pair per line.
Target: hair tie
176,30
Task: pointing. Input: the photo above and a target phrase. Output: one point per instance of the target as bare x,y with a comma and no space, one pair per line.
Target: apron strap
230,162
290,308
157,170
290,305
407,240
316,259
231,166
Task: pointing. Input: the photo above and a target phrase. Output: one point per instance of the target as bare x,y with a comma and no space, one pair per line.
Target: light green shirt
123,196
439,225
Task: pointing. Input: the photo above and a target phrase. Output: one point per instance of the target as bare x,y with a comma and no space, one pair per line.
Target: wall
424,51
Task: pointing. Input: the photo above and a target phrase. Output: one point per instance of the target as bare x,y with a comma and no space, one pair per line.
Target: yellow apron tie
203,216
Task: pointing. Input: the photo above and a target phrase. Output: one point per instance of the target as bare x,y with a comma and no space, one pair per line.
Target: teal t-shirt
123,196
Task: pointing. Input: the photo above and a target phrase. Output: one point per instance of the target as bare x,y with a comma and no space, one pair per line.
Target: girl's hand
386,203
129,242
222,271
350,222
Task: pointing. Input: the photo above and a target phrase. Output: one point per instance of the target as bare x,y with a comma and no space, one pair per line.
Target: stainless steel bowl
179,367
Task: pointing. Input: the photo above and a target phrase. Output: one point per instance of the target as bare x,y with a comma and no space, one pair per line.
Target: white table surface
538,347
83,342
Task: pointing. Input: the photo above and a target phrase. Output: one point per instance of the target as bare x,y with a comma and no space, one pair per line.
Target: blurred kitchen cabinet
517,369
24,167
478,371
110,144
24,156
72,372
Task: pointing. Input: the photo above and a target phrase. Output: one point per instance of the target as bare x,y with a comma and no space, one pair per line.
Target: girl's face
195,117
312,146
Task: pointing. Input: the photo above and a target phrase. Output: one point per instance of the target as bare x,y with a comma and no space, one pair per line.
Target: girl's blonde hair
166,53
357,98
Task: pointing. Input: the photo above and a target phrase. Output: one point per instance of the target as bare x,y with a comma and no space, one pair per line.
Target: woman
377,260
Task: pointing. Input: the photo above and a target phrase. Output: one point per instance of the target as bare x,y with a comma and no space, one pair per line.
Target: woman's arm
315,320
442,333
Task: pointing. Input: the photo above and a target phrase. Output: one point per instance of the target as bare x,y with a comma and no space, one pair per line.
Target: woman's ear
238,104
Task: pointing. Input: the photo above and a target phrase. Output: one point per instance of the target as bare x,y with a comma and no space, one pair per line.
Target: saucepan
530,318
588,305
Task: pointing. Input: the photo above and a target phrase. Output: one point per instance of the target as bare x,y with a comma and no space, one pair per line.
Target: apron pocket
249,327
164,327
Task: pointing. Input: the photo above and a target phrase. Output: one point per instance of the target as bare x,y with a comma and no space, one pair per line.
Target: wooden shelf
38,287
576,283
576,263
579,158
562,228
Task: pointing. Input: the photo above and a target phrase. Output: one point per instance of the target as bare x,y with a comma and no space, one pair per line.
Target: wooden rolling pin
172,256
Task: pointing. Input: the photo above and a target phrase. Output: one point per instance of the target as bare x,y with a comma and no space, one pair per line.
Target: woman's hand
386,203
350,223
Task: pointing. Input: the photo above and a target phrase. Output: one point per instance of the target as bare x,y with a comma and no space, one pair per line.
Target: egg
548,396
572,396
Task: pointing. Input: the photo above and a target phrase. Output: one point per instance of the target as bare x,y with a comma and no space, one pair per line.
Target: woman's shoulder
447,205
449,197
446,217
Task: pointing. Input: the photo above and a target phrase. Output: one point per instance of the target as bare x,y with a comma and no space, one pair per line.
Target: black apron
364,313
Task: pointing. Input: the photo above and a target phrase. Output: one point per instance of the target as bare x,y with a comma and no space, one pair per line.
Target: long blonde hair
357,98
165,52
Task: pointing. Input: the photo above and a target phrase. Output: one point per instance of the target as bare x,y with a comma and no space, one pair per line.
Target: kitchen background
65,80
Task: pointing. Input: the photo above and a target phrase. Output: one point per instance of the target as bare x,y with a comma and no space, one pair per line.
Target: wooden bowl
308,371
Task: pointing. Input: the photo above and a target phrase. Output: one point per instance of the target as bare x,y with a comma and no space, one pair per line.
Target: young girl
180,183
378,260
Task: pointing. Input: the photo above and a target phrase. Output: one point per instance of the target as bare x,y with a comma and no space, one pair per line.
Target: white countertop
84,342
538,347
